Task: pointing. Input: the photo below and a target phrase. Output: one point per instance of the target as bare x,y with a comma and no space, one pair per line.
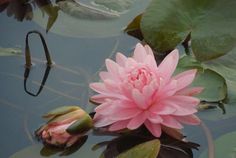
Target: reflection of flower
65,129
136,91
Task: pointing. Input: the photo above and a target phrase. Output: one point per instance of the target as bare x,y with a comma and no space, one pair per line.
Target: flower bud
65,127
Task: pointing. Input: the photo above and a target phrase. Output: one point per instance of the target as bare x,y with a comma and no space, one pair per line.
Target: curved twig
211,147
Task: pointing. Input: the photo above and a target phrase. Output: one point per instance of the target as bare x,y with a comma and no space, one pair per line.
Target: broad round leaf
211,24
148,149
214,84
226,66
224,146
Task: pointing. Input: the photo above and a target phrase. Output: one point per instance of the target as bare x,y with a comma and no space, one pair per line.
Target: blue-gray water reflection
77,62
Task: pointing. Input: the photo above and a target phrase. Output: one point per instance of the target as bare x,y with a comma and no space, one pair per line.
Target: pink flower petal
125,113
98,87
190,91
105,108
163,109
111,85
149,92
148,50
119,125
103,121
154,118
113,69
184,101
170,121
168,90
190,120
151,62
155,129
168,65
139,53
171,108
105,75
137,121
121,59
185,78
139,99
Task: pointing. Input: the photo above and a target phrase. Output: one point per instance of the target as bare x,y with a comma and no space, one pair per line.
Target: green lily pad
10,51
225,146
81,126
165,24
60,111
72,24
148,149
214,84
226,66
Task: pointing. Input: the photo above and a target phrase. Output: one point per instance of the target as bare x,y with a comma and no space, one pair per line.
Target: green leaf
90,20
10,51
165,24
214,84
133,29
81,126
60,111
68,117
215,88
148,149
135,24
224,146
226,66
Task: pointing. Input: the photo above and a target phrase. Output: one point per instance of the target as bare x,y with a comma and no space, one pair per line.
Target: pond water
78,47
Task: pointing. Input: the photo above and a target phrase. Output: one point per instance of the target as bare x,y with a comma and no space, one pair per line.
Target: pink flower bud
65,127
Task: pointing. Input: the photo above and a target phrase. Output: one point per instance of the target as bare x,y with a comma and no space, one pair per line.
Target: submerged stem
211,147
28,62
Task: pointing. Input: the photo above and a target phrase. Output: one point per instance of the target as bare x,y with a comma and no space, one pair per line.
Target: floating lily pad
148,149
226,66
10,51
75,26
214,84
225,146
165,24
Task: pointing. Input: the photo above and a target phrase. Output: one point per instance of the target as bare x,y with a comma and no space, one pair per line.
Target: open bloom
135,91
65,127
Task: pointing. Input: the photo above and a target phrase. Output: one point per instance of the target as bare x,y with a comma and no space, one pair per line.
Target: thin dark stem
28,62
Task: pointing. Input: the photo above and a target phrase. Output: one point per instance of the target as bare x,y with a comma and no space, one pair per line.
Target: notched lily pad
215,88
165,24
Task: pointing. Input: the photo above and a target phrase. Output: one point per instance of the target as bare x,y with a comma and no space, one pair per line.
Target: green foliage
82,125
224,146
165,24
214,84
148,149
60,111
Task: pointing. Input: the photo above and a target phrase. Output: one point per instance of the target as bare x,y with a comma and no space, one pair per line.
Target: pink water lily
135,91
